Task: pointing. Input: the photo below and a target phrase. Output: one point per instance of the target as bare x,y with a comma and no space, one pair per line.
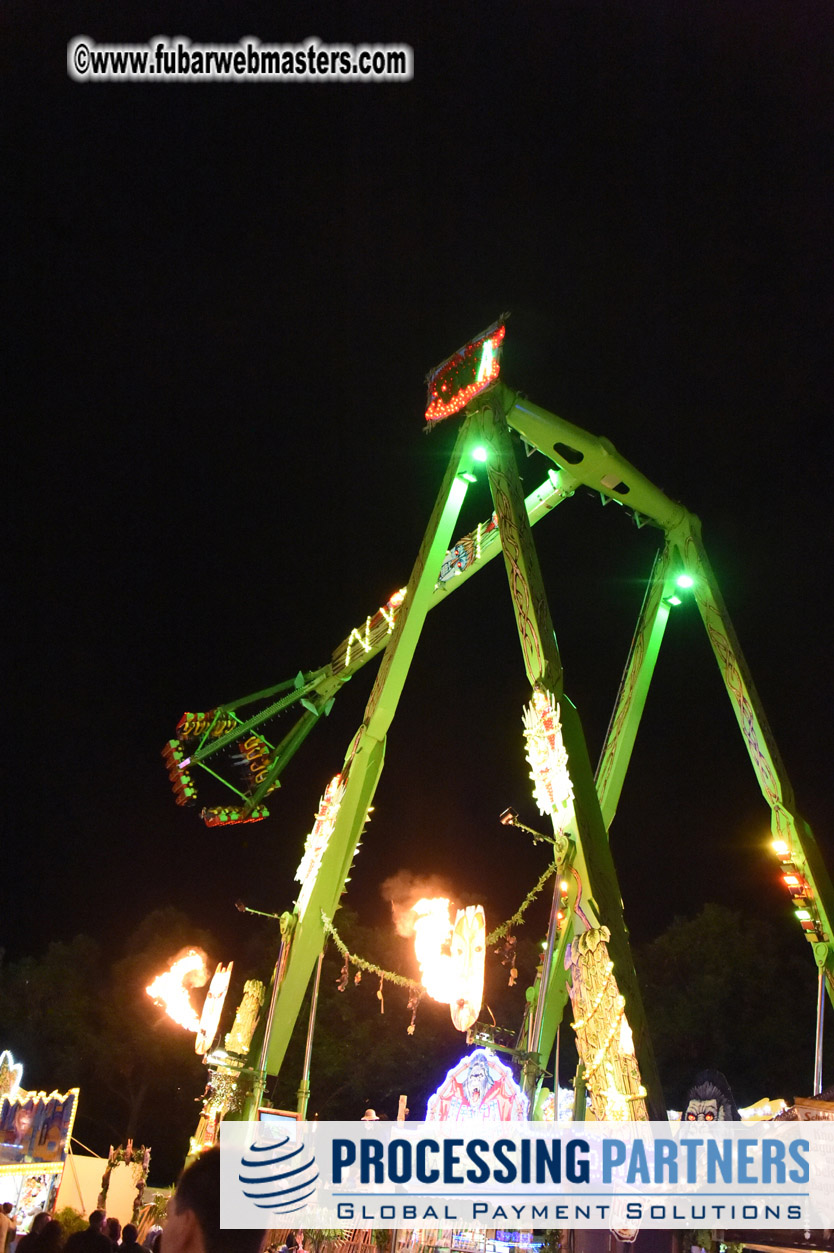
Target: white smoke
404,889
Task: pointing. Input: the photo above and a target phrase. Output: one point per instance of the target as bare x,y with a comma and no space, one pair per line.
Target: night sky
225,300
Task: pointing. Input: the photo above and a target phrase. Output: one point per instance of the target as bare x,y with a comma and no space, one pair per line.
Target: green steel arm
287,748
364,761
300,688
592,855
634,687
317,690
591,460
802,856
293,685
349,657
551,990
594,462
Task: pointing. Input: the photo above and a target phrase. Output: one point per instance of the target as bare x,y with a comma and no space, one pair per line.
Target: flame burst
451,957
433,930
172,988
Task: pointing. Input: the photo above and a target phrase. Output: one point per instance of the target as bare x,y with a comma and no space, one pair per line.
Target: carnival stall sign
479,1088
35,1131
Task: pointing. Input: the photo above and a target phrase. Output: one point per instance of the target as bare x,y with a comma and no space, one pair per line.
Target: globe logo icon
278,1176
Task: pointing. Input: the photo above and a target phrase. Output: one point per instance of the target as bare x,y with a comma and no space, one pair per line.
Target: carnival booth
35,1131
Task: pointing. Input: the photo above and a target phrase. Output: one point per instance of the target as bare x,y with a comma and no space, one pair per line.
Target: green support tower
587,959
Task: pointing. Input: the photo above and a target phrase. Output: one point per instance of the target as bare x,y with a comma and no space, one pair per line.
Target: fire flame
433,930
451,957
171,989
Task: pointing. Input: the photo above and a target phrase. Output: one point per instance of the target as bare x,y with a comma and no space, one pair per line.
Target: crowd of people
192,1225
47,1235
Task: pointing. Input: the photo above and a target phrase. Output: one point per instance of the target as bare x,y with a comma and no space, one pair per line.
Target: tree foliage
721,990
733,992
78,1016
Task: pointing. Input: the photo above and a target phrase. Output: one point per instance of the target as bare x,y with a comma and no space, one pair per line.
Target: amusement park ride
587,957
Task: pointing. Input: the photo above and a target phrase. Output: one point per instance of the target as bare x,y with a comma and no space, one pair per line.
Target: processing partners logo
527,1176
276,1174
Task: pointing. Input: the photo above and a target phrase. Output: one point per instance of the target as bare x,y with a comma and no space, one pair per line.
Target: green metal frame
364,760
591,853
634,686
595,463
579,459
317,690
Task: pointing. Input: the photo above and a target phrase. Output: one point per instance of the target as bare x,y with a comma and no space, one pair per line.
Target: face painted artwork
704,1111
477,1082
710,1099
479,1089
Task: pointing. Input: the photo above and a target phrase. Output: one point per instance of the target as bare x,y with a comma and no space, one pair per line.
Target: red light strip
439,408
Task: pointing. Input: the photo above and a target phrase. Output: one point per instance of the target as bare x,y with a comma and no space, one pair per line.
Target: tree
50,1006
736,993
78,1016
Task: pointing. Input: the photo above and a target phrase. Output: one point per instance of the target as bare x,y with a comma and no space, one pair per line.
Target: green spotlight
674,600
479,453
685,580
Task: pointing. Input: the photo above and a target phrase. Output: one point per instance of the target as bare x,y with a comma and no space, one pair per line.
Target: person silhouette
193,1222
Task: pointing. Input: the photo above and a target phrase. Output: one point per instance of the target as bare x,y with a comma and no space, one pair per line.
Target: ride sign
466,374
